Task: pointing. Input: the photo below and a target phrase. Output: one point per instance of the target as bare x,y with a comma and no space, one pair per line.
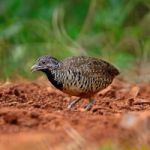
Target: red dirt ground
34,116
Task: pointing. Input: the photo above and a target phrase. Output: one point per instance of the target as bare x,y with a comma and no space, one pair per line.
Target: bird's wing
88,66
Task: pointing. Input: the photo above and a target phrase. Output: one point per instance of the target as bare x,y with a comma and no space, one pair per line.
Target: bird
80,76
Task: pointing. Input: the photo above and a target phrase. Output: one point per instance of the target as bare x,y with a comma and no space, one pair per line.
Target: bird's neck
51,75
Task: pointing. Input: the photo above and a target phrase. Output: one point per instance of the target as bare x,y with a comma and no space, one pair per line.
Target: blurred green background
115,30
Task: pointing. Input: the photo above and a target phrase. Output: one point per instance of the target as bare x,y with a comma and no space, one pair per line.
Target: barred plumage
78,76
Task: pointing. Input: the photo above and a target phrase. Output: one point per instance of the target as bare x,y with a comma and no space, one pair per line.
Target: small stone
30,123
16,92
34,114
36,105
11,119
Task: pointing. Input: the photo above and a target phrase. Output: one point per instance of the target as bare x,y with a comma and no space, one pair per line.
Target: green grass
109,145
116,30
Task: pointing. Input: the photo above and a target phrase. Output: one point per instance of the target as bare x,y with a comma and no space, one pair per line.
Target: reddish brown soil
34,112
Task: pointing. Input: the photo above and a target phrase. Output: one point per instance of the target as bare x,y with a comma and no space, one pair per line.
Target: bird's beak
35,67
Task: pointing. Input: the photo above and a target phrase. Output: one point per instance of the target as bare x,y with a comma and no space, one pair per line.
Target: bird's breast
77,84
53,78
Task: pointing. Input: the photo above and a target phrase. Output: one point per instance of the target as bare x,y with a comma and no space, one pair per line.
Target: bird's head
45,63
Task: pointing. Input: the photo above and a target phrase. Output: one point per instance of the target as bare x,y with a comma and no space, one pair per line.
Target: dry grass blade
77,141
134,92
62,35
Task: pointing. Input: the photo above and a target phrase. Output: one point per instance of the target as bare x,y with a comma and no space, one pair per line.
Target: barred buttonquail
78,76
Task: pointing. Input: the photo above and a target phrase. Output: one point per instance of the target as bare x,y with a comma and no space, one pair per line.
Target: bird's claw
70,106
73,103
88,106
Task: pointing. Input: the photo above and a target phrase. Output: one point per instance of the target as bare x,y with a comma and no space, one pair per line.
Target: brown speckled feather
84,76
89,66
78,76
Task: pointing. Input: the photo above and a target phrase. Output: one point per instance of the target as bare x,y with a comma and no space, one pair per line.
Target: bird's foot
88,106
73,103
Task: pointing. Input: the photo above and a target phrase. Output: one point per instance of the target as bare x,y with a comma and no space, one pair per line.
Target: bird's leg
89,105
73,103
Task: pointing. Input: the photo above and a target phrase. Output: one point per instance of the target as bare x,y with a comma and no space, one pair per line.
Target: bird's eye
43,62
